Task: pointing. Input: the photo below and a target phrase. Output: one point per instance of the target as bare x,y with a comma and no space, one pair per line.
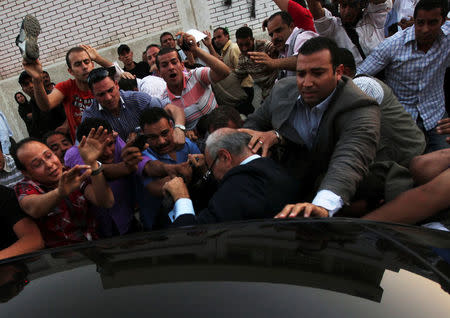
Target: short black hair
123,48
166,50
318,44
88,123
52,133
163,35
128,84
220,116
152,45
429,5
244,33
99,74
347,59
152,115
285,17
75,49
224,30
24,76
15,148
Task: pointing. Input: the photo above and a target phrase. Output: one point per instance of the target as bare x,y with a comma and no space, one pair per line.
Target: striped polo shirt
197,98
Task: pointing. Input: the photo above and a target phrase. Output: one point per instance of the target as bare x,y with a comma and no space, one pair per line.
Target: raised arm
302,17
97,58
316,9
219,70
45,102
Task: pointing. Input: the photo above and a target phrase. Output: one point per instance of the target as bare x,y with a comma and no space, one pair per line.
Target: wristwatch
98,170
182,127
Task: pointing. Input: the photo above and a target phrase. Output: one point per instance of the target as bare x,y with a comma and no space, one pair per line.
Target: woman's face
20,98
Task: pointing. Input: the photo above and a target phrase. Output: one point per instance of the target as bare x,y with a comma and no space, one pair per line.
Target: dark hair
152,115
224,30
15,148
429,5
166,50
15,97
89,123
76,49
220,116
99,74
123,48
347,59
163,35
46,73
244,32
318,44
128,84
52,133
24,76
286,17
152,45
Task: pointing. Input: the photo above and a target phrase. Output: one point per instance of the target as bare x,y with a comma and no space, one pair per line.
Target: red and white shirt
197,98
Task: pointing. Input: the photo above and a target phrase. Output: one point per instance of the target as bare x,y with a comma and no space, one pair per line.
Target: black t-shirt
10,214
141,70
44,122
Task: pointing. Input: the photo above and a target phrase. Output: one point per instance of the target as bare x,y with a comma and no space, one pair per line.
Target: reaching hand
188,40
262,58
443,128
208,40
191,135
261,139
92,147
71,180
308,209
176,188
127,75
131,156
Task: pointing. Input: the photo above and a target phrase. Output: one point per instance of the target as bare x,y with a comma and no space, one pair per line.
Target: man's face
168,41
152,52
81,65
160,136
107,94
41,164
217,165
350,10
246,45
108,153
316,79
428,26
59,144
126,58
27,87
220,39
171,68
279,32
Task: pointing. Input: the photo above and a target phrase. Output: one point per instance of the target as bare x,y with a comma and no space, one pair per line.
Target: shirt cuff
141,165
328,200
182,206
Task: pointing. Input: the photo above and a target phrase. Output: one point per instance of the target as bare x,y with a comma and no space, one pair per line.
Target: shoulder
65,85
191,146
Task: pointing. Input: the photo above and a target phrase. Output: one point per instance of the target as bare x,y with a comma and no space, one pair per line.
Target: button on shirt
415,77
132,104
306,122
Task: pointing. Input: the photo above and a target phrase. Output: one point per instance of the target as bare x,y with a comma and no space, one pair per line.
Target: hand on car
308,209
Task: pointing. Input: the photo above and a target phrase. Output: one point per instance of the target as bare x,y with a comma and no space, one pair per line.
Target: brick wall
66,23
238,14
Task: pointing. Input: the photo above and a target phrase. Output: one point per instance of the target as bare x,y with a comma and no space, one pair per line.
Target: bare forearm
40,95
426,167
176,113
316,9
155,188
99,192
212,51
114,171
39,205
219,70
282,4
100,60
29,239
288,63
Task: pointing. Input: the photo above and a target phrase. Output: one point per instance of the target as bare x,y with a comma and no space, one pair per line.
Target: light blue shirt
5,133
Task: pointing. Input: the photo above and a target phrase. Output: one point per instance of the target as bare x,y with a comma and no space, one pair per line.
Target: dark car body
271,268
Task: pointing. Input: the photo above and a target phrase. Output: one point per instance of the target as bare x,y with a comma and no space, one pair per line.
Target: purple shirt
121,214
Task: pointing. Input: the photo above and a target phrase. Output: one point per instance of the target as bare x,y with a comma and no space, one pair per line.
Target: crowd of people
352,123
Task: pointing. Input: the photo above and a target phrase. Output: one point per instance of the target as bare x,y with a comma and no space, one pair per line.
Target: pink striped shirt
197,98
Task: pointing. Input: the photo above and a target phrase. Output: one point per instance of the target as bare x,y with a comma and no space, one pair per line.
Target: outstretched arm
29,239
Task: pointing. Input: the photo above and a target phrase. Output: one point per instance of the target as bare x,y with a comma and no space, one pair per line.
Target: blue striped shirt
132,104
415,77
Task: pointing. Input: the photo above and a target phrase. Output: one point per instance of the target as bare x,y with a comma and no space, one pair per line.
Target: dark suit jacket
256,190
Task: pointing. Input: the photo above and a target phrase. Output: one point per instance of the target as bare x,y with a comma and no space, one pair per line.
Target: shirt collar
122,103
225,47
321,106
172,95
248,159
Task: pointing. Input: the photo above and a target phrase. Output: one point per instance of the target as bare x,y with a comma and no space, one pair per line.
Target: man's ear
70,71
224,155
339,71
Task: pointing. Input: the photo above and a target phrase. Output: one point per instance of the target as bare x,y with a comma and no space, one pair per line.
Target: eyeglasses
98,74
209,172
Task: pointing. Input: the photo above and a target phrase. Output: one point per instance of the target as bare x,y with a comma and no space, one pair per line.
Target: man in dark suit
251,187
